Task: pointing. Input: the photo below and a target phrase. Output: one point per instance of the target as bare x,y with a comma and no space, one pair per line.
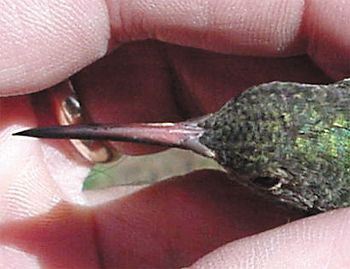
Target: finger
34,175
35,179
207,80
177,221
147,81
63,238
168,225
326,23
240,27
68,42
265,28
42,43
316,242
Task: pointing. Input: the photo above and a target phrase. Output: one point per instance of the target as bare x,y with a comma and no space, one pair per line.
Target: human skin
202,220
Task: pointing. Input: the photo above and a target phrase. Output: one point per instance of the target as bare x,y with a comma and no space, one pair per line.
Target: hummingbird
287,141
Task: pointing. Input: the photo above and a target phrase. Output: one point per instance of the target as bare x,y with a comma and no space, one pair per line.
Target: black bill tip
29,132
46,132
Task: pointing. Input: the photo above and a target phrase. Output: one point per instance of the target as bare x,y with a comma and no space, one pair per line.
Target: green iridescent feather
288,140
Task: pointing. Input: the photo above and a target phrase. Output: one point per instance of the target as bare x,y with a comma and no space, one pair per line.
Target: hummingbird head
286,140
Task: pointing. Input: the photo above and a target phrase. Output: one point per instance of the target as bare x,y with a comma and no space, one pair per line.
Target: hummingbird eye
265,182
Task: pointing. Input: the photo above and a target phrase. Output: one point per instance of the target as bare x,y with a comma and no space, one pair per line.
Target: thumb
44,42
321,241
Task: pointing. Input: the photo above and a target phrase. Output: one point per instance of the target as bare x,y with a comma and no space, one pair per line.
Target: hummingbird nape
287,141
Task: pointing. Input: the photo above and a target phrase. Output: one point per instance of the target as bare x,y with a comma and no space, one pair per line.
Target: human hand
43,218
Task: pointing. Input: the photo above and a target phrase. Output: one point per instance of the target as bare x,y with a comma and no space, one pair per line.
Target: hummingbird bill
289,142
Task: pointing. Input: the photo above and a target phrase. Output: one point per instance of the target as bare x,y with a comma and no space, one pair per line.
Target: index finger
42,43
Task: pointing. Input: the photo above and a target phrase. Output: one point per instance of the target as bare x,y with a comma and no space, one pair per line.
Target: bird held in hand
287,141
